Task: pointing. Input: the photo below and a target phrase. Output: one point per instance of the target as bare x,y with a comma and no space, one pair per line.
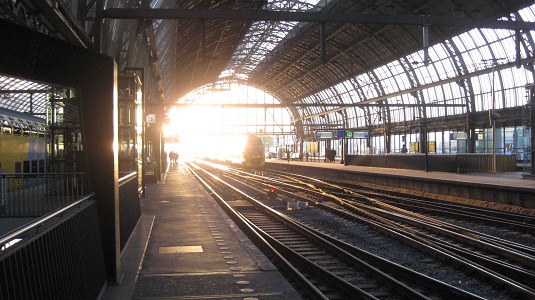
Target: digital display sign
360,135
324,135
458,136
462,135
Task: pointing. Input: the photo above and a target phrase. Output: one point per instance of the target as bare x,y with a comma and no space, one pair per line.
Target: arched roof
296,69
293,68
344,52
302,61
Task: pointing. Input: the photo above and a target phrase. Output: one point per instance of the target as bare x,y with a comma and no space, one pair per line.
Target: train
23,143
254,155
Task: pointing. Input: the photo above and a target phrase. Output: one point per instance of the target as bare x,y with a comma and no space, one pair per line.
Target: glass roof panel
528,14
341,88
478,48
23,95
505,48
263,37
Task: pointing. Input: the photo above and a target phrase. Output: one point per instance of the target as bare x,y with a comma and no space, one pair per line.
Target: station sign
340,134
462,135
357,134
151,118
458,136
320,135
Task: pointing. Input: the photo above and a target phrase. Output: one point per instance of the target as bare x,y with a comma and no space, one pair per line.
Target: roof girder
264,15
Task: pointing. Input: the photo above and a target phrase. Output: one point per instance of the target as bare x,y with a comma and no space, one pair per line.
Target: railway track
502,261
518,222
428,209
501,265
337,269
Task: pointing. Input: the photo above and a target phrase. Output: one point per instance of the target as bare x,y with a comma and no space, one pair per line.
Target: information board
324,135
357,134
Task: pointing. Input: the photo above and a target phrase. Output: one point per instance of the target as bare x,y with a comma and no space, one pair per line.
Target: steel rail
452,254
291,256
253,234
521,253
464,212
407,232
496,218
400,287
524,223
407,274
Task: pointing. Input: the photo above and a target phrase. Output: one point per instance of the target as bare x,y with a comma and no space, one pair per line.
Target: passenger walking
173,158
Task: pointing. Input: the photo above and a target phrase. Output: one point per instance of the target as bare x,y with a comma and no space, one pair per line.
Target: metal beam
61,18
242,133
281,105
23,91
264,15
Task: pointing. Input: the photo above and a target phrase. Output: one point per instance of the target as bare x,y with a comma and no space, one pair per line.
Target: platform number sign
151,118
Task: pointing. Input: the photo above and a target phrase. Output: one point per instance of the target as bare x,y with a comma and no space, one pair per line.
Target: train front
254,155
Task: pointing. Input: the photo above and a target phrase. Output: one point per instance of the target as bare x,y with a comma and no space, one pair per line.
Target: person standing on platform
403,149
288,155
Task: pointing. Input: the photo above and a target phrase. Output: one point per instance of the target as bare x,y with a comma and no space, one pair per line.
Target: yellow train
254,155
23,143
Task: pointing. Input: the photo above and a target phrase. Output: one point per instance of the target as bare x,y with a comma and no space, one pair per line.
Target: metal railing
57,256
129,206
33,195
452,163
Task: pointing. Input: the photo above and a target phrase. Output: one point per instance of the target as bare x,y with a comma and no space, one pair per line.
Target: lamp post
493,123
492,120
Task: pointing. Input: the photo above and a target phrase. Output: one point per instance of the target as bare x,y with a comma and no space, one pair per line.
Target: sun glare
216,131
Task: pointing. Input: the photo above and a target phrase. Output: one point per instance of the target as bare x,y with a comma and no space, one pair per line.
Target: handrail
127,178
42,220
41,174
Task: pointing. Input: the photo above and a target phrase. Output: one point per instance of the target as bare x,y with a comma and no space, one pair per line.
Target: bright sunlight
207,128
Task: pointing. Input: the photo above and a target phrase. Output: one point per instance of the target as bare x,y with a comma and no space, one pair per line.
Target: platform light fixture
492,119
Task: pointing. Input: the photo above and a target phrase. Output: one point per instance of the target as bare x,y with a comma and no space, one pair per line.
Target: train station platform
185,247
509,188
